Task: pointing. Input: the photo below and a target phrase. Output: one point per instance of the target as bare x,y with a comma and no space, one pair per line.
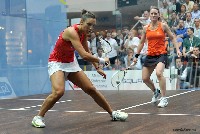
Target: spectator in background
189,5
101,54
182,74
121,50
125,32
195,55
94,43
113,43
139,32
132,41
118,65
175,6
173,22
104,68
196,27
196,1
181,31
189,43
195,13
164,10
120,37
188,22
128,60
182,14
194,64
114,36
144,20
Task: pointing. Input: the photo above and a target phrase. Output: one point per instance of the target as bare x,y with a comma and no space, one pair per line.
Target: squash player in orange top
156,58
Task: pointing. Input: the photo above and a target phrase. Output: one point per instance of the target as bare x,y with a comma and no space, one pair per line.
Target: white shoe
155,96
38,121
163,102
119,116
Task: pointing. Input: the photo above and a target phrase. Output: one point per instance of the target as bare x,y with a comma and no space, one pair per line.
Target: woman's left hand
101,72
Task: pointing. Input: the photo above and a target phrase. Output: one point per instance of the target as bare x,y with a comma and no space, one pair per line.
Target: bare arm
142,41
85,46
71,35
172,38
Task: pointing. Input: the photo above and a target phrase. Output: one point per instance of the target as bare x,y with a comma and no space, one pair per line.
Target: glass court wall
28,31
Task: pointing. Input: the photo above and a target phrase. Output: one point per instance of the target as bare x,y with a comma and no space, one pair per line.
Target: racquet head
118,77
105,45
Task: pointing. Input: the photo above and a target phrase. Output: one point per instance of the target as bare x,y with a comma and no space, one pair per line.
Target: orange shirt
156,41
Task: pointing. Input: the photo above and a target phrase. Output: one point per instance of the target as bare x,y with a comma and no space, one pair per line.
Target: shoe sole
120,119
163,106
37,126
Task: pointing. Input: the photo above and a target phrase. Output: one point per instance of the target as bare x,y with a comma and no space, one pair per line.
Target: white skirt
54,66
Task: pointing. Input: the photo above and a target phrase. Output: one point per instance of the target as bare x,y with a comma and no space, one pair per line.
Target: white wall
132,80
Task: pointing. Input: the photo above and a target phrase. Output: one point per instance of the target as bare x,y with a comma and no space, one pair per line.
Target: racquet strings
105,45
117,78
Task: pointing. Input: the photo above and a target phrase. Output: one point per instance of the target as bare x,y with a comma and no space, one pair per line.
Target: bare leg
162,81
58,89
82,81
146,73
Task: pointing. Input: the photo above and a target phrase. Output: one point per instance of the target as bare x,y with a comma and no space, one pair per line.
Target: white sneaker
163,102
38,121
117,115
155,96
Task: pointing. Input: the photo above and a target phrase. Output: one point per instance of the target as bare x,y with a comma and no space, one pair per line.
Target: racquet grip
132,64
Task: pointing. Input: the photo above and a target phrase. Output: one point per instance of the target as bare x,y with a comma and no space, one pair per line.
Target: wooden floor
77,113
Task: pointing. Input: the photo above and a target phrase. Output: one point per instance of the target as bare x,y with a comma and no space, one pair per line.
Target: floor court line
159,99
29,107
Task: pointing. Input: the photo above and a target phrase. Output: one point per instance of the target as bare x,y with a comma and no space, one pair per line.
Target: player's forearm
95,65
139,48
176,45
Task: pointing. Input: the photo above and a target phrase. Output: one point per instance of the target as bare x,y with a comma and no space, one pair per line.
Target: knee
145,79
90,90
159,75
58,93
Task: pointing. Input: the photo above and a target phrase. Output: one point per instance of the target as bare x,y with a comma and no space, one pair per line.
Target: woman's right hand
107,61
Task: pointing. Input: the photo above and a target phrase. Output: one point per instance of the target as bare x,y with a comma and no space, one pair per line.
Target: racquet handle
132,64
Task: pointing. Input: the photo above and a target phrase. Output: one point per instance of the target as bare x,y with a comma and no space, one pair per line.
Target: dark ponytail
87,14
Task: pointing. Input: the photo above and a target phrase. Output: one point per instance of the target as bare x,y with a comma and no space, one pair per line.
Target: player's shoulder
164,26
69,31
145,27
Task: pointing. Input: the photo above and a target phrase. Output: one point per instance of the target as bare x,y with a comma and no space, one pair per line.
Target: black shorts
154,60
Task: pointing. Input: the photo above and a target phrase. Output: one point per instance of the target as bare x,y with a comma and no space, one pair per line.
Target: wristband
137,55
101,61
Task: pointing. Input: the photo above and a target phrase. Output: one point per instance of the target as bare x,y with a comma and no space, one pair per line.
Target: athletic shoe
119,116
38,121
155,96
163,102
